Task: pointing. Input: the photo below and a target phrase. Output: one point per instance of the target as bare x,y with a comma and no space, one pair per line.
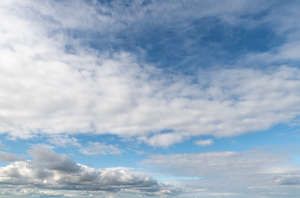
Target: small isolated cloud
97,148
51,171
207,142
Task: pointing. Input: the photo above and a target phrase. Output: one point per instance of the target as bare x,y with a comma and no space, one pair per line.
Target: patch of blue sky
278,137
296,159
205,42
127,158
130,152
16,146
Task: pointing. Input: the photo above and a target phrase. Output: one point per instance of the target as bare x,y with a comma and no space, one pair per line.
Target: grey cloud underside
49,170
47,89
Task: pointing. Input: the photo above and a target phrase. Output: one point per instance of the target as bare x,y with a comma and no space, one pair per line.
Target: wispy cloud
97,148
90,148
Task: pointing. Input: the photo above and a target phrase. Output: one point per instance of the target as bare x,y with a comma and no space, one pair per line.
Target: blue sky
146,98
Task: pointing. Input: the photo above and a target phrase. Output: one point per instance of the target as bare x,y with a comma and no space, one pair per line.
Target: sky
149,98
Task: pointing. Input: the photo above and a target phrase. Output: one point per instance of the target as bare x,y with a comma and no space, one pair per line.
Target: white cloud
45,90
207,142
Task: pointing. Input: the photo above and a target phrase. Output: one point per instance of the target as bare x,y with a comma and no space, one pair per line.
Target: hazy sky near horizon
138,98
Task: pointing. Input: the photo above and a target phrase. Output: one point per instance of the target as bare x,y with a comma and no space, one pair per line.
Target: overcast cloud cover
101,81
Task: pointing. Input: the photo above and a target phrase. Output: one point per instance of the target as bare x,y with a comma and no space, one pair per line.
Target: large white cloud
44,89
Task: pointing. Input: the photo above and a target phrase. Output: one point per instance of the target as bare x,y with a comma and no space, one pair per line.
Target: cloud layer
237,174
46,88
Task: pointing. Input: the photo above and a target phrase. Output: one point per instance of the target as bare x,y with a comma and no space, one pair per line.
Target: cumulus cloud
49,170
46,89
